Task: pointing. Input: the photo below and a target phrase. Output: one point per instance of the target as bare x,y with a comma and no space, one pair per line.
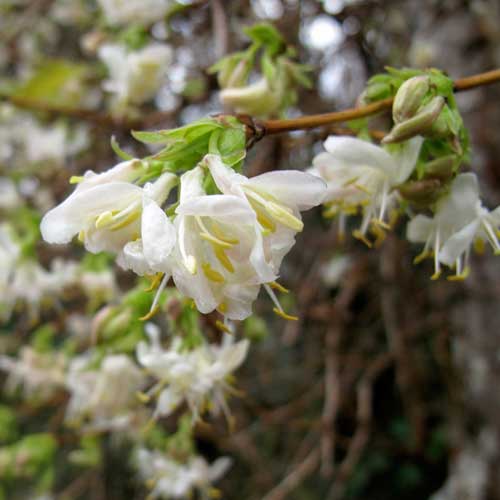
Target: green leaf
266,35
118,150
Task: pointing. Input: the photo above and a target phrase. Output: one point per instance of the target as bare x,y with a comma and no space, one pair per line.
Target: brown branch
269,127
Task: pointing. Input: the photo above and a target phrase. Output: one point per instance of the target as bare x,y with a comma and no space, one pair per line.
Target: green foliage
8,425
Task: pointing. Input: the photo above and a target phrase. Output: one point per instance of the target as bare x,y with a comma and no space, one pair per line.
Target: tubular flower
216,240
360,174
197,376
444,234
172,479
135,77
276,198
105,209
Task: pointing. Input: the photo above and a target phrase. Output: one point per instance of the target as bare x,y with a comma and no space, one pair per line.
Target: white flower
483,227
360,174
218,245
277,198
40,374
172,479
196,376
105,395
105,210
9,254
453,213
9,196
135,77
124,12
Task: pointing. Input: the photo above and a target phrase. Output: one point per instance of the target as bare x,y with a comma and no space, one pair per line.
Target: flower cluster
218,248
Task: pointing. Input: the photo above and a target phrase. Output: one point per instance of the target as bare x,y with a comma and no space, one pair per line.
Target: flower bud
418,125
422,192
409,98
441,168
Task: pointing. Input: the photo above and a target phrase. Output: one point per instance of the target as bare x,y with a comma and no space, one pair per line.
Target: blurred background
387,386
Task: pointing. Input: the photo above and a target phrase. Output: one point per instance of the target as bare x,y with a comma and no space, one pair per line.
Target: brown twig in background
219,28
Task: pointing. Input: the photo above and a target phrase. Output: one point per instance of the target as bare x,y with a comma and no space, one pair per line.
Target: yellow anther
142,397
379,234
126,220
479,245
215,241
422,256
223,258
284,215
104,219
212,274
222,308
361,237
284,315
350,209
436,275
150,314
190,264
222,327
76,179
217,231
277,286
81,236
381,223
331,212
214,493
155,282
460,277
350,181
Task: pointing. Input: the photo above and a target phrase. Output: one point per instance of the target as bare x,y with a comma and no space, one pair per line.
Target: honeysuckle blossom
124,12
276,198
360,174
106,395
171,479
447,235
105,209
135,77
197,377
40,374
219,250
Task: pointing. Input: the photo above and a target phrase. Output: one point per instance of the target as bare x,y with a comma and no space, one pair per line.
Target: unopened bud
441,169
418,125
409,98
118,324
256,99
422,192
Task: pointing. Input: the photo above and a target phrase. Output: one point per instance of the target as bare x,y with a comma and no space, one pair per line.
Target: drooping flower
197,376
276,198
455,212
104,396
173,479
363,175
218,245
105,209
135,77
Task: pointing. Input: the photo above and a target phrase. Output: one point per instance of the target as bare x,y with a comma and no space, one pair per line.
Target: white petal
160,189
168,401
219,468
61,223
352,152
239,300
291,187
132,257
406,159
225,178
457,244
191,184
229,208
419,229
158,235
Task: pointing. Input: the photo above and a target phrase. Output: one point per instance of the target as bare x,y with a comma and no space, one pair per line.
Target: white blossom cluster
218,248
363,177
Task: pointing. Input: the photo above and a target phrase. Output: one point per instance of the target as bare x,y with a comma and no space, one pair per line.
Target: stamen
361,237
362,188
284,315
212,274
492,238
81,236
437,266
150,314
278,309
222,327
422,256
189,261
283,215
155,282
154,306
104,219
479,245
350,181
223,258
76,179
277,286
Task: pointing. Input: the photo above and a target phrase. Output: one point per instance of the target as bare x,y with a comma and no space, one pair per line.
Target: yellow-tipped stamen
362,188
223,258
381,223
150,314
379,233
222,327
461,276
422,256
284,315
206,234
81,236
361,237
104,219
76,179
214,493
212,274
143,397
277,286
215,241
131,217
436,275
155,282
351,181
222,308
479,245
285,216
221,236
